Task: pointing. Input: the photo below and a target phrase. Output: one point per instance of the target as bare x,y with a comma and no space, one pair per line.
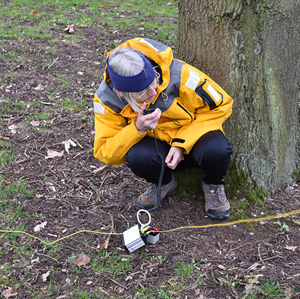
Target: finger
143,107
169,156
171,165
167,160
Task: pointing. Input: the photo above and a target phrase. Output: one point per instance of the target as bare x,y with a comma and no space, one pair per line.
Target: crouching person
185,112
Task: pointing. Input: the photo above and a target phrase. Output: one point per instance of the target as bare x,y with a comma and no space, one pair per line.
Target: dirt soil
77,192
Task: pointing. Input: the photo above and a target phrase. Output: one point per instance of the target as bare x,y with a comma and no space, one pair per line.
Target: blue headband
134,83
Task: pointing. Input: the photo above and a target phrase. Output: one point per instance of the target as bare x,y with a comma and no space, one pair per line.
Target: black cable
161,176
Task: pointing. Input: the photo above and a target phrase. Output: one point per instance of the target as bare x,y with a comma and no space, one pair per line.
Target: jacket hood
159,53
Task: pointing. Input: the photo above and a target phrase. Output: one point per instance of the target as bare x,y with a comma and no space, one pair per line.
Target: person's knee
136,156
139,156
220,150
213,147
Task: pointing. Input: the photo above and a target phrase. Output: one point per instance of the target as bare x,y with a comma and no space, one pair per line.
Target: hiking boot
148,200
216,204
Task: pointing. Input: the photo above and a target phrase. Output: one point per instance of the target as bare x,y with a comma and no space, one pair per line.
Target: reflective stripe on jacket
191,103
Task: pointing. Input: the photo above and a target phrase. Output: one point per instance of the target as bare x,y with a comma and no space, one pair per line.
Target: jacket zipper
185,111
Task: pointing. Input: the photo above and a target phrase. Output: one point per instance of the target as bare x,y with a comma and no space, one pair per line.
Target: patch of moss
189,181
242,192
295,176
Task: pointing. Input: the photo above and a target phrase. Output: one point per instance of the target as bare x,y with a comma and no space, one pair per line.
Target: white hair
127,62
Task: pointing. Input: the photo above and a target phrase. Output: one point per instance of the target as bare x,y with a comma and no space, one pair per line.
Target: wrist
142,132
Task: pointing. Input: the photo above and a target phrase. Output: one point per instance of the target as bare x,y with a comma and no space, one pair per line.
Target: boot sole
219,215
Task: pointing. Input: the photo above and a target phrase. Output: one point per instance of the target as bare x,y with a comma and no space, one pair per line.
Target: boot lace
218,191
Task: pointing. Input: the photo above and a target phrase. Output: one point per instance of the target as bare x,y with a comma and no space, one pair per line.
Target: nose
153,88
152,91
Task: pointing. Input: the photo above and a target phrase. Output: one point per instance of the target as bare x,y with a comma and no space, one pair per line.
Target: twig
51,258
103,182
49,66
259,255
238,247
112,228
273,257
106,276
102,290
100,169
118,283
38,153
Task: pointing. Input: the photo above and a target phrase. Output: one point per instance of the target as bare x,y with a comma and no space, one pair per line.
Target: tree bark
251,48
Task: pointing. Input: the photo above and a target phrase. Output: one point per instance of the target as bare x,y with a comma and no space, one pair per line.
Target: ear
120,93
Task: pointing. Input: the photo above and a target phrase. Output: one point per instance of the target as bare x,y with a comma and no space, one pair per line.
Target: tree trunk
251,48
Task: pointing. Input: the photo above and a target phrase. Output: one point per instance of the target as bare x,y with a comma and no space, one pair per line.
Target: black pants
212,153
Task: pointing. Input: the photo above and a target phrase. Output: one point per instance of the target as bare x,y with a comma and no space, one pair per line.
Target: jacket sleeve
210,103
113,137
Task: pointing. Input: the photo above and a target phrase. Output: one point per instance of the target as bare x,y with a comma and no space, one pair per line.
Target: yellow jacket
192,104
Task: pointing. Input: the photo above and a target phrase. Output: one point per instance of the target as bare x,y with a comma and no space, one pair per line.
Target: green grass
12,194
111,264
7,154
269,289
43,38
82,13
185,270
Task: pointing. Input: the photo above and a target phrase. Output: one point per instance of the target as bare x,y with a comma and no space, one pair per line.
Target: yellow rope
236,222
163,231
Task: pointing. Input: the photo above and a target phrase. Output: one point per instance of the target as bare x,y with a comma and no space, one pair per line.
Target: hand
174,157
147,122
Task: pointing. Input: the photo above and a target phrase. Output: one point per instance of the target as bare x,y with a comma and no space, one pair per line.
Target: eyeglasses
139,95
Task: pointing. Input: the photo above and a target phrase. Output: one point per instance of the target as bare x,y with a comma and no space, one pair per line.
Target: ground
73,191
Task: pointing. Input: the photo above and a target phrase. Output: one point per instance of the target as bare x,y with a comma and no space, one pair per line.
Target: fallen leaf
81,260
222,267
35,123
38,227
51,186
54,154
253,281
45,276
292,248
9,293
68,144
103,245
39,87
12,129
37,260
8,182
70,28
35,13
81,126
